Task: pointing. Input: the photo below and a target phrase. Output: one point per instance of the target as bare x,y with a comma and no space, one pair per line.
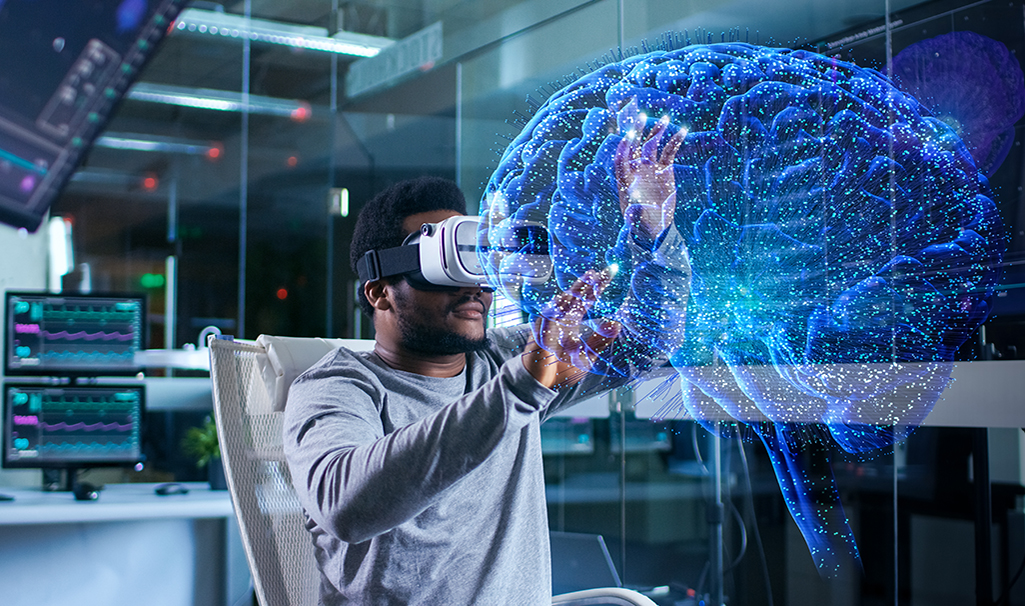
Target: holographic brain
843,245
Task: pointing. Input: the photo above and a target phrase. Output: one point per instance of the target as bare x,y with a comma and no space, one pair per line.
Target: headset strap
377,264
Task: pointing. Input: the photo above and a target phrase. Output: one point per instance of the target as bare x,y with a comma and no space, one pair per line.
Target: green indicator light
152,280
109,92
76,141
93,117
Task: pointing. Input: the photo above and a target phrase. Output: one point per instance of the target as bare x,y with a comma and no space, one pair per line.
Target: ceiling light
100,176
229,25
220,100
152,143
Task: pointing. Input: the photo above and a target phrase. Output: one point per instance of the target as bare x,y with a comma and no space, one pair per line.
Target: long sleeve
362,470
654,310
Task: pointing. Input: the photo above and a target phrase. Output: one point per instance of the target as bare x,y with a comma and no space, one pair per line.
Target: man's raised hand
563,349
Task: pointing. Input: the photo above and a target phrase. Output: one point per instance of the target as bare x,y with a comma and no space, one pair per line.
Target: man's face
440,322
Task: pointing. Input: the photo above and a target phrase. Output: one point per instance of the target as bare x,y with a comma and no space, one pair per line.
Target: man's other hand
563,349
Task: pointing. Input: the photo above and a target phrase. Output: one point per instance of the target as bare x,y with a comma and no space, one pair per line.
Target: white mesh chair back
278,547
250,384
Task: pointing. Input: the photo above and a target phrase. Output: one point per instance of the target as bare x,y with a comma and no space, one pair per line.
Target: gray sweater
423,490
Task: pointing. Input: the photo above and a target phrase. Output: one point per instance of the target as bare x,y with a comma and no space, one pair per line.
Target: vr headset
447,255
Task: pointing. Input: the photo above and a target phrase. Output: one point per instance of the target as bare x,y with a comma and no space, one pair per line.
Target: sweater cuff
524,386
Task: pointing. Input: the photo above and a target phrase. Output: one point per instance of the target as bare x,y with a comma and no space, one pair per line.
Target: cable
1007,590
754,520
701,578
697,447
1006,593
743,538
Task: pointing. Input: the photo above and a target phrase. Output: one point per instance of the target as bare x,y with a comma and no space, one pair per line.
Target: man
419,464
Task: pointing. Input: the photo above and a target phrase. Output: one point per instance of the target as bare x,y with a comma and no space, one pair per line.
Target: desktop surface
177,550
116,502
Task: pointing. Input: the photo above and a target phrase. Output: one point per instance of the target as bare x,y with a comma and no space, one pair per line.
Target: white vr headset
446,255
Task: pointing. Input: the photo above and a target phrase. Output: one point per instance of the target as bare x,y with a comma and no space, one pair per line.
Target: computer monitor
66,65
72,426
70,335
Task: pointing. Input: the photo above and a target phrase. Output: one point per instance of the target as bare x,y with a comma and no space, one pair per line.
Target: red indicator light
302,113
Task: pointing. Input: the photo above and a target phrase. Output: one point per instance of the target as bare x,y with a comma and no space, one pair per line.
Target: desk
130,546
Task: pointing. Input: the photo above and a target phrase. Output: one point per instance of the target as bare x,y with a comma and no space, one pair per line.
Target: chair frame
269,515
268,509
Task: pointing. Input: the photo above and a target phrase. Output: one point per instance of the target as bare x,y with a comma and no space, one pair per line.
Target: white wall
23,263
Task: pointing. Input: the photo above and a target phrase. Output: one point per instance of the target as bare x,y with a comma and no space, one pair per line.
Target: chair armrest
605,596
288,357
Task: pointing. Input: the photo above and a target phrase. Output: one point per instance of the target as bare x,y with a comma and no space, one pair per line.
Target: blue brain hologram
843,245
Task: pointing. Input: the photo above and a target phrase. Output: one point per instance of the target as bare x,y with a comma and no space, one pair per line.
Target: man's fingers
624,152
628,116
570,306
608,328
651,142
669,152
582,354
598,280
565,349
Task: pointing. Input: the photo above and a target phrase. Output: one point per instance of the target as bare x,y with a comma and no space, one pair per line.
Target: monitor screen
978,50
73,334
72,426
66,65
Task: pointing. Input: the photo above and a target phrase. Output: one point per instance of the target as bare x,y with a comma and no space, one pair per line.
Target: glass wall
239,216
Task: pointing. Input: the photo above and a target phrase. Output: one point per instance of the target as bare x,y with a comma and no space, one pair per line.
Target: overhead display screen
63,68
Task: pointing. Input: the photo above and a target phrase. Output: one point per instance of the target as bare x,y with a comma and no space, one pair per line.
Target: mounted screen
66,65
73,335
72,426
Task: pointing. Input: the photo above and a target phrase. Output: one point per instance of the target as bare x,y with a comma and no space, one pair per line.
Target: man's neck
421,364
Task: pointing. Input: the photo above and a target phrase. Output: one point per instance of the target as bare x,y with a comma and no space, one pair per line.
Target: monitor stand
60,479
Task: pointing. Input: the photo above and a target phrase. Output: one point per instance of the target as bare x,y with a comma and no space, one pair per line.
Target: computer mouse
169,488
84,491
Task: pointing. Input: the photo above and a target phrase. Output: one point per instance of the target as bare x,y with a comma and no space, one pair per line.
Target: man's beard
421,338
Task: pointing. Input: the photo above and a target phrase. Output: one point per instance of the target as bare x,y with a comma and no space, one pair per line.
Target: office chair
250,385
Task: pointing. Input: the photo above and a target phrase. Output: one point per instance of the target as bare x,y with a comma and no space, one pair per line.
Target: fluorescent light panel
228,25
220,100
62,256
101,176
152,143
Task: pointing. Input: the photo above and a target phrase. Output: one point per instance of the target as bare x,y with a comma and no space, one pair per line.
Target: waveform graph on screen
62,426
81,334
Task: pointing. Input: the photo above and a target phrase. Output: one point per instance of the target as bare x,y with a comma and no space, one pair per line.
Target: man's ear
377,294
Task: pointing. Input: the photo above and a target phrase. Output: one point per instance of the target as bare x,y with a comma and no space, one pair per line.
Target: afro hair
379,225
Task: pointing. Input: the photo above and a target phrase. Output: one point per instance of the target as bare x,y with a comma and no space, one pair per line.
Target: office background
227,184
